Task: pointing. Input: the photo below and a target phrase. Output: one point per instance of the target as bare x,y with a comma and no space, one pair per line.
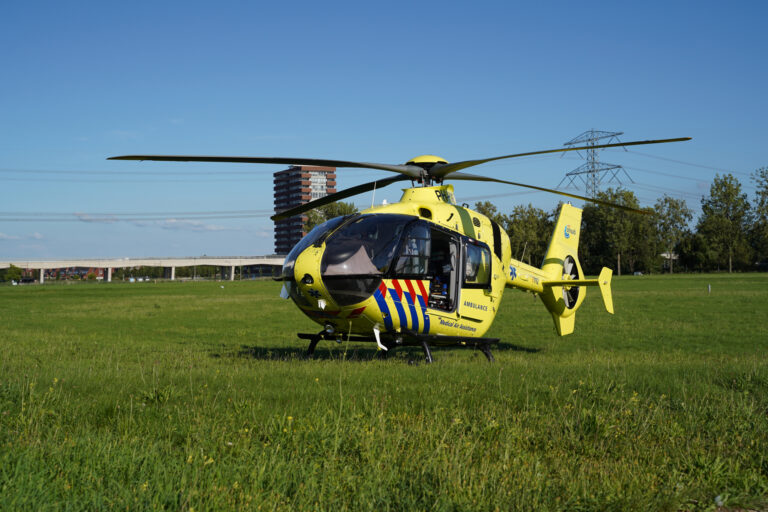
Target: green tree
612,233
760,227
529,231
725,220
671,219
12,273
327,212
489,210
693,252
643,252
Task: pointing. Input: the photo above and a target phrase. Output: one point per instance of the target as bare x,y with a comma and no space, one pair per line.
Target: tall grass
192,396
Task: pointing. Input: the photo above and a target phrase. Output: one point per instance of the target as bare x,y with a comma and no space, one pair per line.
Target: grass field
187,396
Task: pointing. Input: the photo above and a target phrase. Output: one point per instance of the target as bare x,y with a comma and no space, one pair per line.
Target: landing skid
406,339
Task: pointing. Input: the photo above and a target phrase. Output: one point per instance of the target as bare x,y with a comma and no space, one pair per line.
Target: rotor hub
427,162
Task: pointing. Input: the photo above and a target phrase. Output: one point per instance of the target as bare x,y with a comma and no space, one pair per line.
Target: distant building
295,186
669,258
65,273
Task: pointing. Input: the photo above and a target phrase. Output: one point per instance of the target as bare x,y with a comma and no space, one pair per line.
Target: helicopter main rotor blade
442,170
408,170
474,177
332,198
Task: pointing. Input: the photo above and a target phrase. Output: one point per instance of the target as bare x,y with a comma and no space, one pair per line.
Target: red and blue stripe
381,299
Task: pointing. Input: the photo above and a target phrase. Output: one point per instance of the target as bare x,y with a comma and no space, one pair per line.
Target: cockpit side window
477,268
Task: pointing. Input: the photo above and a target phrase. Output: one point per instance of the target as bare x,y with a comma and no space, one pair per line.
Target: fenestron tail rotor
570,272
425,170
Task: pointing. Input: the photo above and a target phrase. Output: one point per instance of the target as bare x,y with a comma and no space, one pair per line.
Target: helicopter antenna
373,196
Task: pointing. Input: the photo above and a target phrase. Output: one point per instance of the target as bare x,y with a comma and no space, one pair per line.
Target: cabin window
413,261
430,254
477,266
496,240
443,270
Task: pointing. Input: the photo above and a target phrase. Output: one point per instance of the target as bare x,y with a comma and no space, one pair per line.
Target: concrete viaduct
168,263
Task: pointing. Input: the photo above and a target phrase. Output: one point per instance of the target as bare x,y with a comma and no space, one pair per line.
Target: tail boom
559,282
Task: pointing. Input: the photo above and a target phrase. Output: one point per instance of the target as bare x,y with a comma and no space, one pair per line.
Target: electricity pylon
592,173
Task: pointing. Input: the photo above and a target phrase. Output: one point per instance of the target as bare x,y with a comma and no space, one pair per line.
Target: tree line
730,234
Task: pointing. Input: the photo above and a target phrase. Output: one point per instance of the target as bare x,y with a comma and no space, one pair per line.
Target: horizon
92,81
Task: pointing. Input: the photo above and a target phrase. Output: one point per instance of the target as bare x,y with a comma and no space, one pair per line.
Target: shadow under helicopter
338,351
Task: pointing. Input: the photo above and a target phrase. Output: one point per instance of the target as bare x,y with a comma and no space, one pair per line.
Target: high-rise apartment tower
295,186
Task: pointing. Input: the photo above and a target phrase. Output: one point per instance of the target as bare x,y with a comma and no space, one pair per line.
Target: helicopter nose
348,273
350,290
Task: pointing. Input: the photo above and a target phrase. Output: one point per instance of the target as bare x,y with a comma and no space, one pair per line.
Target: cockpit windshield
313,236
364,246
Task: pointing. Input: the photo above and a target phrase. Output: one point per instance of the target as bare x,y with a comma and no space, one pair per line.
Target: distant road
227,261
169,263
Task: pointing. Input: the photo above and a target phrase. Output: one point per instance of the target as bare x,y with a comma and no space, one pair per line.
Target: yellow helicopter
424,271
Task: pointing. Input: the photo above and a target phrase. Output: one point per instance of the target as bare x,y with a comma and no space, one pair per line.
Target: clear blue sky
379,82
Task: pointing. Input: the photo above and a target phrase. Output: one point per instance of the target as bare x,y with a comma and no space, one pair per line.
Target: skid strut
405,338
486,349
427,352
313,341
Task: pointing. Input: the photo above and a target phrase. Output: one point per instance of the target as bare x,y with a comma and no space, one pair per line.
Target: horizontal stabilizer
603,282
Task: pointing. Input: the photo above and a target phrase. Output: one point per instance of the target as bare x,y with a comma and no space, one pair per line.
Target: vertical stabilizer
561,265
564,325
564,241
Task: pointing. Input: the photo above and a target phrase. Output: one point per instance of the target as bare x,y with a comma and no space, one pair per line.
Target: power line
137,181
681,193
109,220
508,194
107,217
688,163
132,214
129,173
670,175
